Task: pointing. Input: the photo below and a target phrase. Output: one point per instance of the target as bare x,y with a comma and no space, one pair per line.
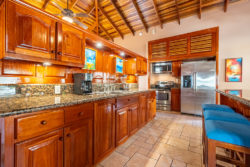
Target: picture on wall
234,92
234,70
119,65
90,59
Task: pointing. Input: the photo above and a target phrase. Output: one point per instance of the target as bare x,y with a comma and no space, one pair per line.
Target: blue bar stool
225,116
217,107
229,135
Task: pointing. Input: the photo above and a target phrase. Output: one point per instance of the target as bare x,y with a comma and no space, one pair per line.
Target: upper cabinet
29,33
192,45
72,46
35,36
136,66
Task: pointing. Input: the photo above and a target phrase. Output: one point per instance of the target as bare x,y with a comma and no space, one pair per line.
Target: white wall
234,38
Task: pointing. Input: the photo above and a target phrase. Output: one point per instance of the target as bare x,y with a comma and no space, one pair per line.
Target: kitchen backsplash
49,89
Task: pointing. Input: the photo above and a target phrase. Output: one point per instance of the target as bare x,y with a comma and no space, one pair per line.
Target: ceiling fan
68,15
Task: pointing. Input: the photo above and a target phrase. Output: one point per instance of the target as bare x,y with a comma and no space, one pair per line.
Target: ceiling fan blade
57,6
80,23
81,15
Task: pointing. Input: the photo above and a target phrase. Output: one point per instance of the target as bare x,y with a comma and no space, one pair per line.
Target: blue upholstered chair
225,116
216,107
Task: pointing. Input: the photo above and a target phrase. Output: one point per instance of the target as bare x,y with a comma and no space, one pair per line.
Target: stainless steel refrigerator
198,83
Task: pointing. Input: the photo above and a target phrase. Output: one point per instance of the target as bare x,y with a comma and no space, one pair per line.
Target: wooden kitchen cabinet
122,125
35,36
46,150
72,47
176,68
104,128
133,118
29,33
175,99
78,146
143,110
151,106
136,66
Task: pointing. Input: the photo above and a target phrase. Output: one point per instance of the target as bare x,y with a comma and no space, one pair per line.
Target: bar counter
239,100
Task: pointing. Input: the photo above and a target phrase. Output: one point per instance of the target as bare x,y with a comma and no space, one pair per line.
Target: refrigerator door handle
194,81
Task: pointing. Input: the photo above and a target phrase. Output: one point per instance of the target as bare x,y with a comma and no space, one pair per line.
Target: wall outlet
57,89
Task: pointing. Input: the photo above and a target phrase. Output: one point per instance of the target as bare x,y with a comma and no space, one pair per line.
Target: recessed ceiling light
111,55
122,54
140,33
46,64
99,45
68,19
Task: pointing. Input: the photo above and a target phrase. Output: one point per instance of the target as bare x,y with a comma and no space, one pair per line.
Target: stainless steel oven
163,100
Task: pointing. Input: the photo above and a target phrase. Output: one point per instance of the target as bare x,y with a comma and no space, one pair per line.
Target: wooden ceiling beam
122,16
106,32
110,21
91,9
140,15
157,13
226,5
46,2
97,17
73,4
178,12
200,8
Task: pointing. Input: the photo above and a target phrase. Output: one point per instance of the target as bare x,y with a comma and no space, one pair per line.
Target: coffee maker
82,83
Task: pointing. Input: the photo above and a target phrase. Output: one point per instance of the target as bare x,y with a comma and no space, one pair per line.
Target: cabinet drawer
34,125
78,112
127,100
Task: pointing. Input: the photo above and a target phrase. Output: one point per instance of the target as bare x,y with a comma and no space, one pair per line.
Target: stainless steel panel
203,86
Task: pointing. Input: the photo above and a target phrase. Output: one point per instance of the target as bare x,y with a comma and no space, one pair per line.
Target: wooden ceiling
115,18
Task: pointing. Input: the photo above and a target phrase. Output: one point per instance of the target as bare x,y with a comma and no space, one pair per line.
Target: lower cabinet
46,150
126,122
104,128
175,99
122,125
133,118
151,108
142,110
78,144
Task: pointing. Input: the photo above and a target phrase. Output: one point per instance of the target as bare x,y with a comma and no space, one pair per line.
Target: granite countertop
241,95
18,104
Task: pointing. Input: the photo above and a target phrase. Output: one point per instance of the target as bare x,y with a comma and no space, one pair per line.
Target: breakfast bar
239,100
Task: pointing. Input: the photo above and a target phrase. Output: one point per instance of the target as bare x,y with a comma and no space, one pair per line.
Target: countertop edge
40,108
240,99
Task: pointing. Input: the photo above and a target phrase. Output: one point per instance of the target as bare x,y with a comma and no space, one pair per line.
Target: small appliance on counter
163,95
82,83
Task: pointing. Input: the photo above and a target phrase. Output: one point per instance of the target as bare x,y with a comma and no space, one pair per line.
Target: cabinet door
46,150
130,66
175,100
78,144
176,68
29,32
142,110
138,65
122,125
133,119
150,109
104,129
71,47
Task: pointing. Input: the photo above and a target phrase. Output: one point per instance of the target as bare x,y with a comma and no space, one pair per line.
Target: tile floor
170,140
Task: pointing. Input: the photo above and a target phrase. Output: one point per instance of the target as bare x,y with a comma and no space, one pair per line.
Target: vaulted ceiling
115,18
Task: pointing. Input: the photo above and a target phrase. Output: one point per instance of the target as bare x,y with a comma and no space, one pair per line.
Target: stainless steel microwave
161,67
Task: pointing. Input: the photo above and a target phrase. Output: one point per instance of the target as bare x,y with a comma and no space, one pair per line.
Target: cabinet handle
53,51
68,135
61,138
59,53
43,122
